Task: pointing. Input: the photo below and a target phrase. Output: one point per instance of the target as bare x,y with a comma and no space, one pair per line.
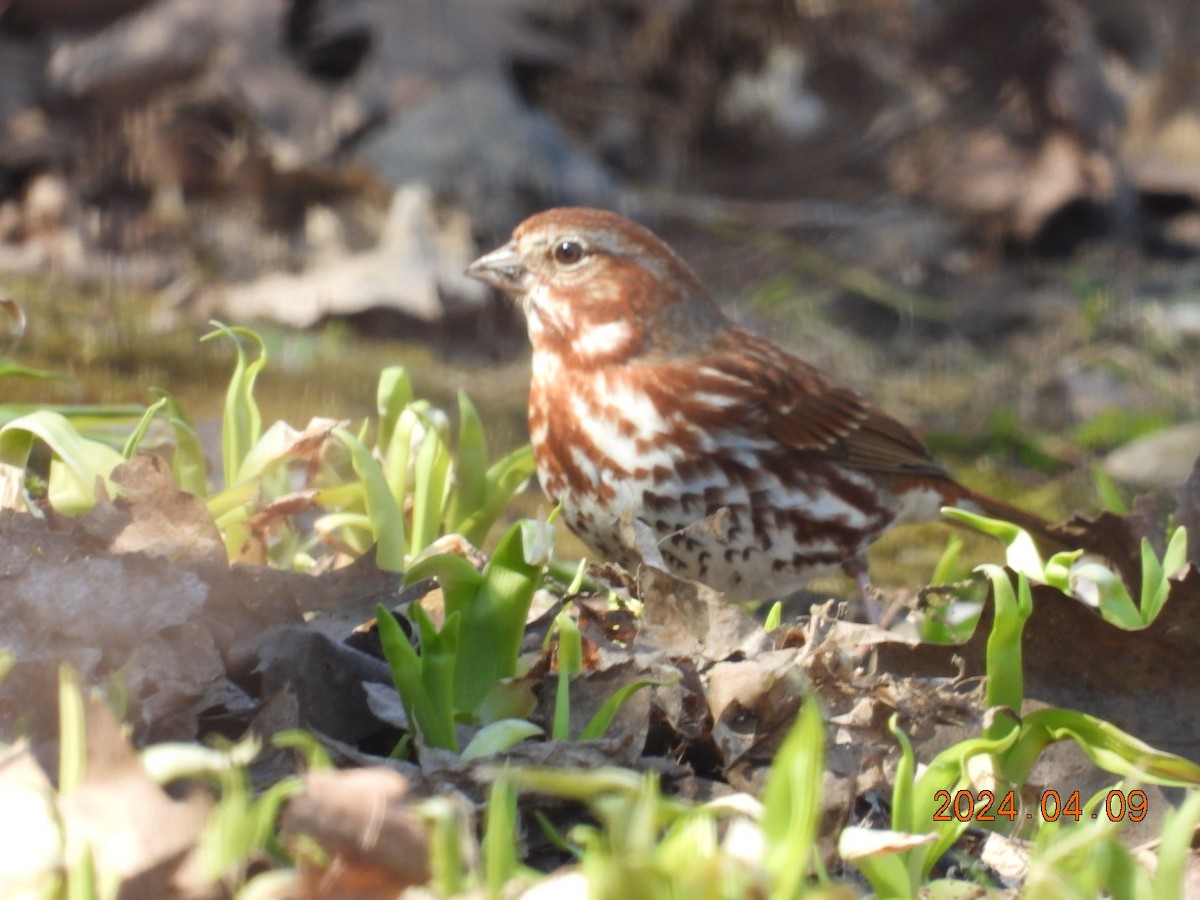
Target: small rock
1175,320
477,139
168,42
1161,459
777,95
47,201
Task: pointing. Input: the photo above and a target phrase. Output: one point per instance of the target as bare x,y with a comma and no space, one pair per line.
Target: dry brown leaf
753,704
181,629
591,689
132,827
30,835
1007,857
859,843
153,516
693,620
376,843
327,680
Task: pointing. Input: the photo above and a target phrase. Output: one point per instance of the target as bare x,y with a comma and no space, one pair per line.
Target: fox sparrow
748,468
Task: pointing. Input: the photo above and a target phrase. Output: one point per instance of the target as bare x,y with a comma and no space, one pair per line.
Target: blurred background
984,214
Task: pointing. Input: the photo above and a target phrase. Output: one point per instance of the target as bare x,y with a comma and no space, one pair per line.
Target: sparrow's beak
503,270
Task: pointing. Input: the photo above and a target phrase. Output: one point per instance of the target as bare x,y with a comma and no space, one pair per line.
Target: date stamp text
985,806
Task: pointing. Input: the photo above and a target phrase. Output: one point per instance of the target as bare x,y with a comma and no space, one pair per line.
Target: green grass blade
232,501
1083,861
903,811
386,516
235,531
1058,569
570,645
431,481
570,663
72,735
171,761
556,837
392,395
436,724
537,542
500,853
504,479
448,835
470,470
494,622
82,460
1110,495
241,825
82,878
1156,590
947,570
510,698
89,420
1178,830
270,451
139,431
598,725
11,369
1107,746
1020,552
571,784
439,660
1004,663
1175,557
189,462
241,421
560,730
1126,879
792,804
399,451
1154,583
578,579
887,872
459,580
1099,585
493,606
496,737
947,771
314,752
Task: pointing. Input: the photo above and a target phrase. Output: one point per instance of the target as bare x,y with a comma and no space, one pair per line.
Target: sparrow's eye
568,252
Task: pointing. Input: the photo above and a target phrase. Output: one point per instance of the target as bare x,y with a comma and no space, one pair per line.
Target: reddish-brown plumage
646,403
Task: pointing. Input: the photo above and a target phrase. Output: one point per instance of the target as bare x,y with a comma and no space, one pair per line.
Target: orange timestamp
985,806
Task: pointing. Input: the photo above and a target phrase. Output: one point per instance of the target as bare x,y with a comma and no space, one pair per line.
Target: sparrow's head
599,288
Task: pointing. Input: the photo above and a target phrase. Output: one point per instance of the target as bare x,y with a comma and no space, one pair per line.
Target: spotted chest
726,508
600,447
